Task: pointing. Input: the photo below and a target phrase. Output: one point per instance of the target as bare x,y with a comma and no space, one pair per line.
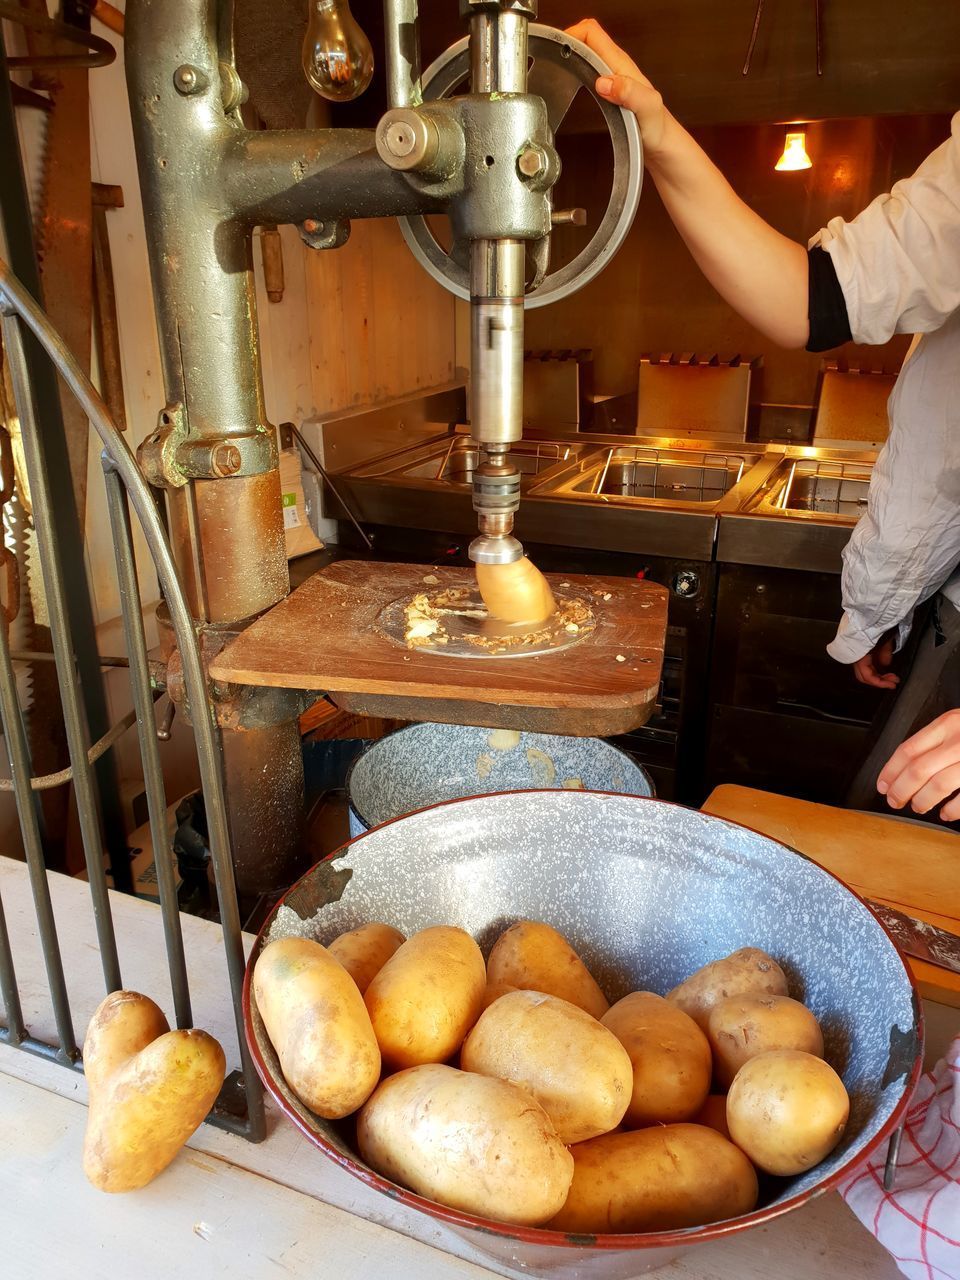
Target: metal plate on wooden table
330,635
464,629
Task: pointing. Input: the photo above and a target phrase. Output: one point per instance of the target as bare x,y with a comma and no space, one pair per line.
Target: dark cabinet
783,715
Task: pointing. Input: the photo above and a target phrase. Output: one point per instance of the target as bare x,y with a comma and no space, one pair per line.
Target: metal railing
125,486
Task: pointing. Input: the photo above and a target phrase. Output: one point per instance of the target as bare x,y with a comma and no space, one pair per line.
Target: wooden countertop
910,866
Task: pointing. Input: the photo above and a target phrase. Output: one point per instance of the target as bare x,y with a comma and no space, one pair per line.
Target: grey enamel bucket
646,892
427,764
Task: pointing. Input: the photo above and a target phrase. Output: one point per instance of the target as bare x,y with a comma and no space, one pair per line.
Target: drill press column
498,65
496,397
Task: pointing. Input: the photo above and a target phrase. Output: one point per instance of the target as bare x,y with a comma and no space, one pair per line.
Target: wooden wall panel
285,334
379,327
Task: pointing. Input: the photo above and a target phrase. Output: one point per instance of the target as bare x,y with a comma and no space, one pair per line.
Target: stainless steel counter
790,507
802,517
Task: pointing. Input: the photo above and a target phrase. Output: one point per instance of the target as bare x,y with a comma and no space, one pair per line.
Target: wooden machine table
327,636
908,866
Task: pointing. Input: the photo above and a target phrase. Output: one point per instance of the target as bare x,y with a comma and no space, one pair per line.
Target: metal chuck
496,496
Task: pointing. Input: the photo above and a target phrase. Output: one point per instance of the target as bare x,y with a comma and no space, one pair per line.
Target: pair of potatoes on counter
543,1121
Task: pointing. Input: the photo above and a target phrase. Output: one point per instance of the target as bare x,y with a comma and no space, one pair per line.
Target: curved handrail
16,300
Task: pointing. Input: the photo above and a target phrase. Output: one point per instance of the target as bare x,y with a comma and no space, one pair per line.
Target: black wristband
827,307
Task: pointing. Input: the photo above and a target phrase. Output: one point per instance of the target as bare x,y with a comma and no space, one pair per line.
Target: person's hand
874,667
628,87
925,769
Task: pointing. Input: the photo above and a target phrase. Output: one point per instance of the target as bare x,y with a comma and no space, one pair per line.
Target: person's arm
897,265
925,770
761,273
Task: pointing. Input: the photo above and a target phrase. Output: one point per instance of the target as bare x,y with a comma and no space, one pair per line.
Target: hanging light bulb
337,58
794,153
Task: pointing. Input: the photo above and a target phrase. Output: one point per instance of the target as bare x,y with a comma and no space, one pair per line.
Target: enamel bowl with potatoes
585,1031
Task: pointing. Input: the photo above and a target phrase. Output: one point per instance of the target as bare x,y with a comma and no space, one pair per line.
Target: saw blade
15,529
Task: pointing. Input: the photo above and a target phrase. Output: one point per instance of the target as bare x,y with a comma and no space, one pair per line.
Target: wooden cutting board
913,868
326,636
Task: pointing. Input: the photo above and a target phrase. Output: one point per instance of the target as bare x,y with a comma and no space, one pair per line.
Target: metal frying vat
647,892
660,473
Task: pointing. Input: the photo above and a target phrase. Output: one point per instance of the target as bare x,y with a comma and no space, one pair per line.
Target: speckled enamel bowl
646,892
426,764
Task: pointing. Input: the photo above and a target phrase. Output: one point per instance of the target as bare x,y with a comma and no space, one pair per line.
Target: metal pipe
74,718
206,181
496,341
287,176
49,1052
402,41
16,1031
201,263
225,39
264,780
20,768
228,532
49,781
131,611
498,51
205,729
240,543
498,65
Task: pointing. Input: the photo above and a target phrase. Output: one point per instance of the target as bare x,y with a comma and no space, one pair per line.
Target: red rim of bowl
541,1235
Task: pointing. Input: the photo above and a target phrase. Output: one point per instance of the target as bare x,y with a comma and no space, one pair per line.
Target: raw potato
575,1068
740,1027
363,952
467,1141
494,991
122,1025
713,1114
149,1090
427,997
534,957
317,1022
670,1056
747,971
787,1110
659,1179
516,592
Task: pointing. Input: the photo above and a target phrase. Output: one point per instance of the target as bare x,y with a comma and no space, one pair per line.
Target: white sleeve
907,544
898,262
